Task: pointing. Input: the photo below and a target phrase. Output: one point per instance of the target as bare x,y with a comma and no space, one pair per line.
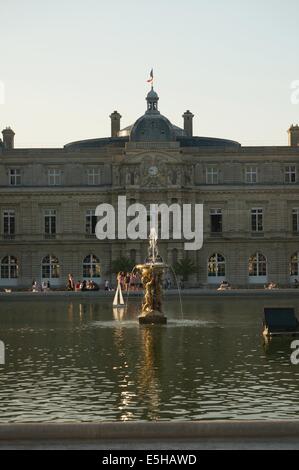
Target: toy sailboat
118,301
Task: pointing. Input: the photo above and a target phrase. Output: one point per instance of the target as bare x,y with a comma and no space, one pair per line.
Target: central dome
152,126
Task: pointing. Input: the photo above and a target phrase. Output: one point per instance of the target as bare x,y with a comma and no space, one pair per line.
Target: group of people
80,285
129,281
43,287
225,285
132,282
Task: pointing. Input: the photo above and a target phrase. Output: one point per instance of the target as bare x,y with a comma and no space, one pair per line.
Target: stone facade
221,174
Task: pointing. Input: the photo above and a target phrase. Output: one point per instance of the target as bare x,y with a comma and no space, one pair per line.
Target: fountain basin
153,318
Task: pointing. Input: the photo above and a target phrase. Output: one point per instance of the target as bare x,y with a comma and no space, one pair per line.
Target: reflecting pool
75,360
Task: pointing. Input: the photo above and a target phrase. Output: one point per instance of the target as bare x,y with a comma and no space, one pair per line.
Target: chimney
115,123
8,138
294,136
188,123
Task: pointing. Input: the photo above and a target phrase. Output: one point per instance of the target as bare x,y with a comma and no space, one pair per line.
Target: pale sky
67,64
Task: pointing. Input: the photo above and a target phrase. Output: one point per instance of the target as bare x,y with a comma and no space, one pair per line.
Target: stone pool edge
101,295
151,430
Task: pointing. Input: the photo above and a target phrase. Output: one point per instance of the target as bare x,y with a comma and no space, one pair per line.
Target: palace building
250,197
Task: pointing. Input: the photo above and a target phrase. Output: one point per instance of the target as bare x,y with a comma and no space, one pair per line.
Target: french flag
151,79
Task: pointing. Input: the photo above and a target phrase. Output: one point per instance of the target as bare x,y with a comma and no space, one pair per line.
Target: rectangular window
216,220
251,174
9,225
257,220
46,273
50,223
211,175
93,176
14,177
90,222
295,220
54,177
290,174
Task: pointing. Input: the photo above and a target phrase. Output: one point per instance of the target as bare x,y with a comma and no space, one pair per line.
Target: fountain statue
152,278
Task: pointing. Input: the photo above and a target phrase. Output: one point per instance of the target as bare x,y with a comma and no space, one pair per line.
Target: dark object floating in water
280,321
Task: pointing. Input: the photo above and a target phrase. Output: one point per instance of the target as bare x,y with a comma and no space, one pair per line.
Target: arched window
91,266
257,267
294,266
50,267
216,266
9,267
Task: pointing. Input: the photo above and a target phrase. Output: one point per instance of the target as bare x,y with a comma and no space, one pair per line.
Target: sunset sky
66,65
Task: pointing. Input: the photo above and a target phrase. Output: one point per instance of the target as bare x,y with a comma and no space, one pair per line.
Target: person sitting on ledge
78,286
93,285
271,285
224,286
35,286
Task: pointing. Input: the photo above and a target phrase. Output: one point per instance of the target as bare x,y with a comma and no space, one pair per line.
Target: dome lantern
152,101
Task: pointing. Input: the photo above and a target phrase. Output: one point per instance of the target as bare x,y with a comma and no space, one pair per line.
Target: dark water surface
75,360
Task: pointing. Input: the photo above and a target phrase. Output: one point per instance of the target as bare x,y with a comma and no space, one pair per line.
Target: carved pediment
152,156
153,168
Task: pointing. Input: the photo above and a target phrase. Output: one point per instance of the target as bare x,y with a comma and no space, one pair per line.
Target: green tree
185,268
122,264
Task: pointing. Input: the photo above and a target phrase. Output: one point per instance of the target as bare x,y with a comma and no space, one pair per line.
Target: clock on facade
153,171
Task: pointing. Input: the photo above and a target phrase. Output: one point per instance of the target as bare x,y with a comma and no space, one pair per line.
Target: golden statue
152,278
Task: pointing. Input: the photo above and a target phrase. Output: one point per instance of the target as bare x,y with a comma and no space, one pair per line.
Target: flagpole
151,79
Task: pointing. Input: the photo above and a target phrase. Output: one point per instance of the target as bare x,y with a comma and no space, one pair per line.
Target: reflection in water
118,313
276,346
70,311
86,310
148,381
124,399
79,361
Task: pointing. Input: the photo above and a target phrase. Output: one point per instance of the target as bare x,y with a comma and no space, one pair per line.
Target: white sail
115,298
121,299
118,298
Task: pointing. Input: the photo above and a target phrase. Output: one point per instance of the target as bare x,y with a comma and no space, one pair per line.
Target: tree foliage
122,264
185,268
